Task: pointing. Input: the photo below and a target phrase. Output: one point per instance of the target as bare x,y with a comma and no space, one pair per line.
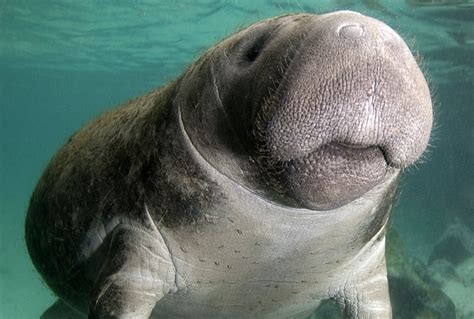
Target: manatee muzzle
353,104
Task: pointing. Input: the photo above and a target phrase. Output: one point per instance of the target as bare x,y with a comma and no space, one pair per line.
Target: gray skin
256,185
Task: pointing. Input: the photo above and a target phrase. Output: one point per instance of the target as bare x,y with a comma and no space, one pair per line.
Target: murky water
64,62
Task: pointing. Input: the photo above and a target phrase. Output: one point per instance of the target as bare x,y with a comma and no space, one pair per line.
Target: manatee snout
353,104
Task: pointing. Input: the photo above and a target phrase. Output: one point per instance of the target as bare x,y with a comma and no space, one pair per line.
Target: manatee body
256,185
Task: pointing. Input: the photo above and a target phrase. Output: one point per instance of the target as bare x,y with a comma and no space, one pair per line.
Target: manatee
256,185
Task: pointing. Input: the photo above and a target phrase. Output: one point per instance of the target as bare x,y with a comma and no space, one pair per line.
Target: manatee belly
251,299
250,258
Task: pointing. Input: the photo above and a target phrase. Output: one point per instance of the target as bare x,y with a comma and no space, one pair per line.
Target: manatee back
87,182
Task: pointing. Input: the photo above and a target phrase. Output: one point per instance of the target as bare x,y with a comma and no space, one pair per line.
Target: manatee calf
254,186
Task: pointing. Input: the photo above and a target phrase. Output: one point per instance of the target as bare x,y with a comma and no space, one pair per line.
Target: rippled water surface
64,62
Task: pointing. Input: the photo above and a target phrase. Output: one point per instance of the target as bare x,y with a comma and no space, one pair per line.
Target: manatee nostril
387,34
350,31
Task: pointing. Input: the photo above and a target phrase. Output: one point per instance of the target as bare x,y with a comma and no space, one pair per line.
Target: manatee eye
254,51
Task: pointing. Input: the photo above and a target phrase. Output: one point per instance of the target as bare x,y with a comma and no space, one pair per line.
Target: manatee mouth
334,175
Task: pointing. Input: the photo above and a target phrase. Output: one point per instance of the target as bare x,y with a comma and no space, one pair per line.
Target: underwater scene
65,62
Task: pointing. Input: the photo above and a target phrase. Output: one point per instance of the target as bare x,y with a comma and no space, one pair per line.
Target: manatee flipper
365,294
369,299
137,272
59,310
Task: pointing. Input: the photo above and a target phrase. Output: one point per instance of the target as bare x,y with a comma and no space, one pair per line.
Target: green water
64,62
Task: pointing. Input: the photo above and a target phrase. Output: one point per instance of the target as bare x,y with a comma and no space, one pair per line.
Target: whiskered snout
352,102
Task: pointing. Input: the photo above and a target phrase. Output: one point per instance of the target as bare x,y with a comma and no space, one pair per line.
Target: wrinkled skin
256,185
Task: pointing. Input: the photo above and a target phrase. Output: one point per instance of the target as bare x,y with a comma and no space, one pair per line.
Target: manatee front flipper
365,293
137,273
59,310
367,299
